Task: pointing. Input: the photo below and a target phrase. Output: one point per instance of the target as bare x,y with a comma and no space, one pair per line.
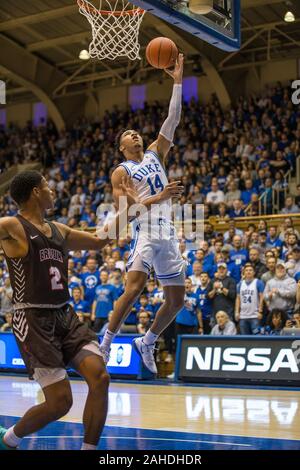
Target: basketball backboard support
220,27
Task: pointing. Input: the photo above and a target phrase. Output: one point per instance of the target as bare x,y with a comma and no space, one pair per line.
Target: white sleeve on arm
169,126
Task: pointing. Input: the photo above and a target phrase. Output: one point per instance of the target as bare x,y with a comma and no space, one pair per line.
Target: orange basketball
162,53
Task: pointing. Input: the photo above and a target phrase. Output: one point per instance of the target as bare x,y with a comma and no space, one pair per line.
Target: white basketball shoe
147,354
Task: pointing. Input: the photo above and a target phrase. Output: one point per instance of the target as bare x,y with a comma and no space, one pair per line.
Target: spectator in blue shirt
90,280
74,281
79,305
122,246
188,319
238,255
155,295
207,262
141,303
275,323
237,209
117,281
205,304
248,191
78,258
273,237
105,296
233,269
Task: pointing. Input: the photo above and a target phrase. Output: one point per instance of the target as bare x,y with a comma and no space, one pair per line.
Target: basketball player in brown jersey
49,335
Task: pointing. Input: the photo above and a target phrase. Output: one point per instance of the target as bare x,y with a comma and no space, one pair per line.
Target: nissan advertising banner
239,359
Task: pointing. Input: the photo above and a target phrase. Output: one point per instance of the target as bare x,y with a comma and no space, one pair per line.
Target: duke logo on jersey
149,179
155,241
249,294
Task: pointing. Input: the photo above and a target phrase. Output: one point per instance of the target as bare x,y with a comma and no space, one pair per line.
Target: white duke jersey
149,178
249,296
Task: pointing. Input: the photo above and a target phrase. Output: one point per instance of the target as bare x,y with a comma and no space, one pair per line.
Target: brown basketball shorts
50,340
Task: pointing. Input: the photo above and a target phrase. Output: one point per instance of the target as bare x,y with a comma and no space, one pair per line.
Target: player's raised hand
129,191
174,189
177,72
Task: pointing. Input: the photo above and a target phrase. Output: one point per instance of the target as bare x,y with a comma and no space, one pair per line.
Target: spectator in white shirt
289,206
196,277
224,326
215,197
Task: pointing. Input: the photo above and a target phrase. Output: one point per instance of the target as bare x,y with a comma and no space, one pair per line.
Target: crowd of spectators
238,282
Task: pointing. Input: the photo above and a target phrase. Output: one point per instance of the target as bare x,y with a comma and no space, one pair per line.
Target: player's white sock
107,340
10,439
88,446
150,338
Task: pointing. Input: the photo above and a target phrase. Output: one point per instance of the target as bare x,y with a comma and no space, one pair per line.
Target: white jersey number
55,278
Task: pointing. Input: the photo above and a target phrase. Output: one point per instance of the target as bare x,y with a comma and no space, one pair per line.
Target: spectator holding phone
294,322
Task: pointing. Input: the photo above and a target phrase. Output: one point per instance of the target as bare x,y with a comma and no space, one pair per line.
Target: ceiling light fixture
289,17
84,55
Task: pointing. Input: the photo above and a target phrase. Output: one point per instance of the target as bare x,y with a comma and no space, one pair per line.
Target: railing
260,203
279,194
276,197
263,203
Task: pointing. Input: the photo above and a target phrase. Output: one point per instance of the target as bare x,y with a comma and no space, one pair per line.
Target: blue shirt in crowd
105,295
203,301
81,306
90,281
188,314
246,195
239,257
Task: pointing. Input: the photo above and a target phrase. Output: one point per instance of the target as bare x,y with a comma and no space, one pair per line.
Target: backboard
220,27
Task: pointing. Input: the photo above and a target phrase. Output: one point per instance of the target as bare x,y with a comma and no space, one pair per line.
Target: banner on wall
124,361
239,359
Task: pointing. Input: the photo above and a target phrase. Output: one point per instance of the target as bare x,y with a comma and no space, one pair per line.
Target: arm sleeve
169,126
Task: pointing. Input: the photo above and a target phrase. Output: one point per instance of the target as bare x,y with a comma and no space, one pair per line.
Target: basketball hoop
115,31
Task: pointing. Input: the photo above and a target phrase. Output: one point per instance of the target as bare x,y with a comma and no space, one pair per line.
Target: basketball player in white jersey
155,241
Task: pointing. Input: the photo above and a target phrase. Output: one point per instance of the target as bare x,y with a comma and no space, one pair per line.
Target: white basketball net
115,27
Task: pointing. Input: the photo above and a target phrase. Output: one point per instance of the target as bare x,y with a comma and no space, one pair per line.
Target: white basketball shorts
163,255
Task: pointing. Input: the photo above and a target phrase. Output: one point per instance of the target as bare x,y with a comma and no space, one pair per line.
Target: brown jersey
40,280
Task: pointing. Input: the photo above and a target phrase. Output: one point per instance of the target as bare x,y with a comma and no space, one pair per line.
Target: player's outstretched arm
4,229
80,240
166,135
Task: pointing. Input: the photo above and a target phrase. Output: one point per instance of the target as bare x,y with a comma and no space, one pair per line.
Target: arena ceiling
40,41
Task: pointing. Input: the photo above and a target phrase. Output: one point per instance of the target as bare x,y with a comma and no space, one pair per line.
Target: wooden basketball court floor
152,416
